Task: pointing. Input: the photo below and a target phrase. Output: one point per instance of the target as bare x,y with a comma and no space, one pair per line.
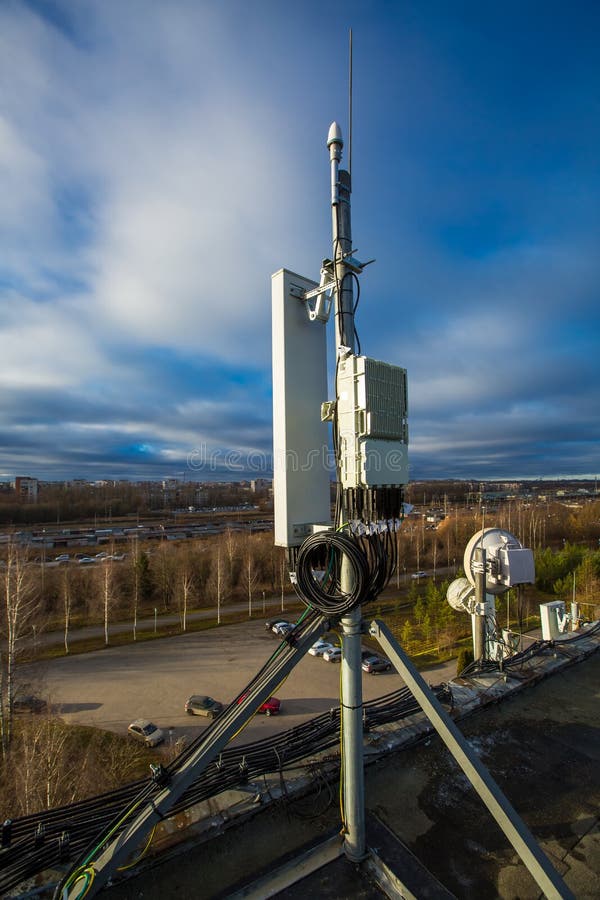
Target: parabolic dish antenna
508,563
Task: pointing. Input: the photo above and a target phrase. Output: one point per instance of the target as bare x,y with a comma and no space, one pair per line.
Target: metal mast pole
479,621
352,771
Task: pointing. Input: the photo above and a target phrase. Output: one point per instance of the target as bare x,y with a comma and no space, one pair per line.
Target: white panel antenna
301,478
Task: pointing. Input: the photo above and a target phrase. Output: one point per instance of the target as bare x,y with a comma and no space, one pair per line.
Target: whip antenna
350,104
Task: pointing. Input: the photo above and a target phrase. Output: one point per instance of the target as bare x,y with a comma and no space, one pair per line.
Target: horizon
6,479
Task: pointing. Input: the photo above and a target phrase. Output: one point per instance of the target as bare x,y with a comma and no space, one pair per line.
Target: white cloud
159,161
46,345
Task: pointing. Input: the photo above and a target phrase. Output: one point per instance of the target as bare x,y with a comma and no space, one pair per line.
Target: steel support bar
351,708
546,877
117,849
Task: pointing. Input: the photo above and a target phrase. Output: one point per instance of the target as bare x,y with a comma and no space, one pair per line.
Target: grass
122,638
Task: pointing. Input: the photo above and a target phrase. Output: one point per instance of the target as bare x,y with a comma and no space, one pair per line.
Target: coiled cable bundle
319,571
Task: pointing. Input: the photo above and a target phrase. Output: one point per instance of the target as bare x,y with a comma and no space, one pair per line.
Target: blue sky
158,161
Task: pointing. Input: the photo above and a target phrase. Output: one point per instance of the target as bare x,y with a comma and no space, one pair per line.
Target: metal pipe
351,675
478,621
537,863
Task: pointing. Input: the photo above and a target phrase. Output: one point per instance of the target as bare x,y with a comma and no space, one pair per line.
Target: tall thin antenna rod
350,105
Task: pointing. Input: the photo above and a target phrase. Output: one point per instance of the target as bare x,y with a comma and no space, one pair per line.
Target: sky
159,161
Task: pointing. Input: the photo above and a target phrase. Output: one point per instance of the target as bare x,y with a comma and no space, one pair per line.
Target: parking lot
111,687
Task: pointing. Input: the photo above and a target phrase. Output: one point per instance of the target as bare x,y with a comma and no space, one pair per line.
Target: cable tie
156,810
40,834
160,776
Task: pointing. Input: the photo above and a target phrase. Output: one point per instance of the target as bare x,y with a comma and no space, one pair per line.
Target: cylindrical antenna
350,105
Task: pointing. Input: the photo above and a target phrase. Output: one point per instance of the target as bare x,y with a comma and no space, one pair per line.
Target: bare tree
186,584
107,596
235,561
283,579
250,575
136,583
41,764
219,584
19,607
66,595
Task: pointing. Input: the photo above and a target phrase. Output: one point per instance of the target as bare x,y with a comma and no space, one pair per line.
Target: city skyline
158,164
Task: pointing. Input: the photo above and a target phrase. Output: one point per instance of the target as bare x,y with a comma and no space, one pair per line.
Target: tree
166,575
427,627
19,608
233,560
465,657
141,581
66,596
107,596
420,608
186,583
407,633
250,575
217,582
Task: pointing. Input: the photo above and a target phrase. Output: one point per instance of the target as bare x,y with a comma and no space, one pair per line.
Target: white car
146,732
333,655
417,575
320,647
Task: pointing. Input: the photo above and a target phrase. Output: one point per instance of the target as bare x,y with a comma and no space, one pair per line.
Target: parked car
320,647
29,703
86,560
283,628
374,664
270,707
201,705
146,732
417,575
333,655
64,557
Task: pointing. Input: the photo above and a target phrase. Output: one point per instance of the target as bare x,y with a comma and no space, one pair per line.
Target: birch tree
107,597
19,608
250,576
186,584
66,597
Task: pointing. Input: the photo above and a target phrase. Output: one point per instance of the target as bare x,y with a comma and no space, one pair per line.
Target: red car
270,707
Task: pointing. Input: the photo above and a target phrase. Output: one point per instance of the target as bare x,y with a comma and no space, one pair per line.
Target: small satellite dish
459,593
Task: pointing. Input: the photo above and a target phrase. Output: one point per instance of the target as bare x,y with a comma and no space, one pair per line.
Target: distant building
260,484
26,488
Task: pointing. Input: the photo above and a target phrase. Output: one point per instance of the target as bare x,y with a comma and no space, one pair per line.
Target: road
271,608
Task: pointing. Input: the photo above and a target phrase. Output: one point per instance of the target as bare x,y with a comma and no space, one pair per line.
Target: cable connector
64,846
6,833
160,776
40,835
244,773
